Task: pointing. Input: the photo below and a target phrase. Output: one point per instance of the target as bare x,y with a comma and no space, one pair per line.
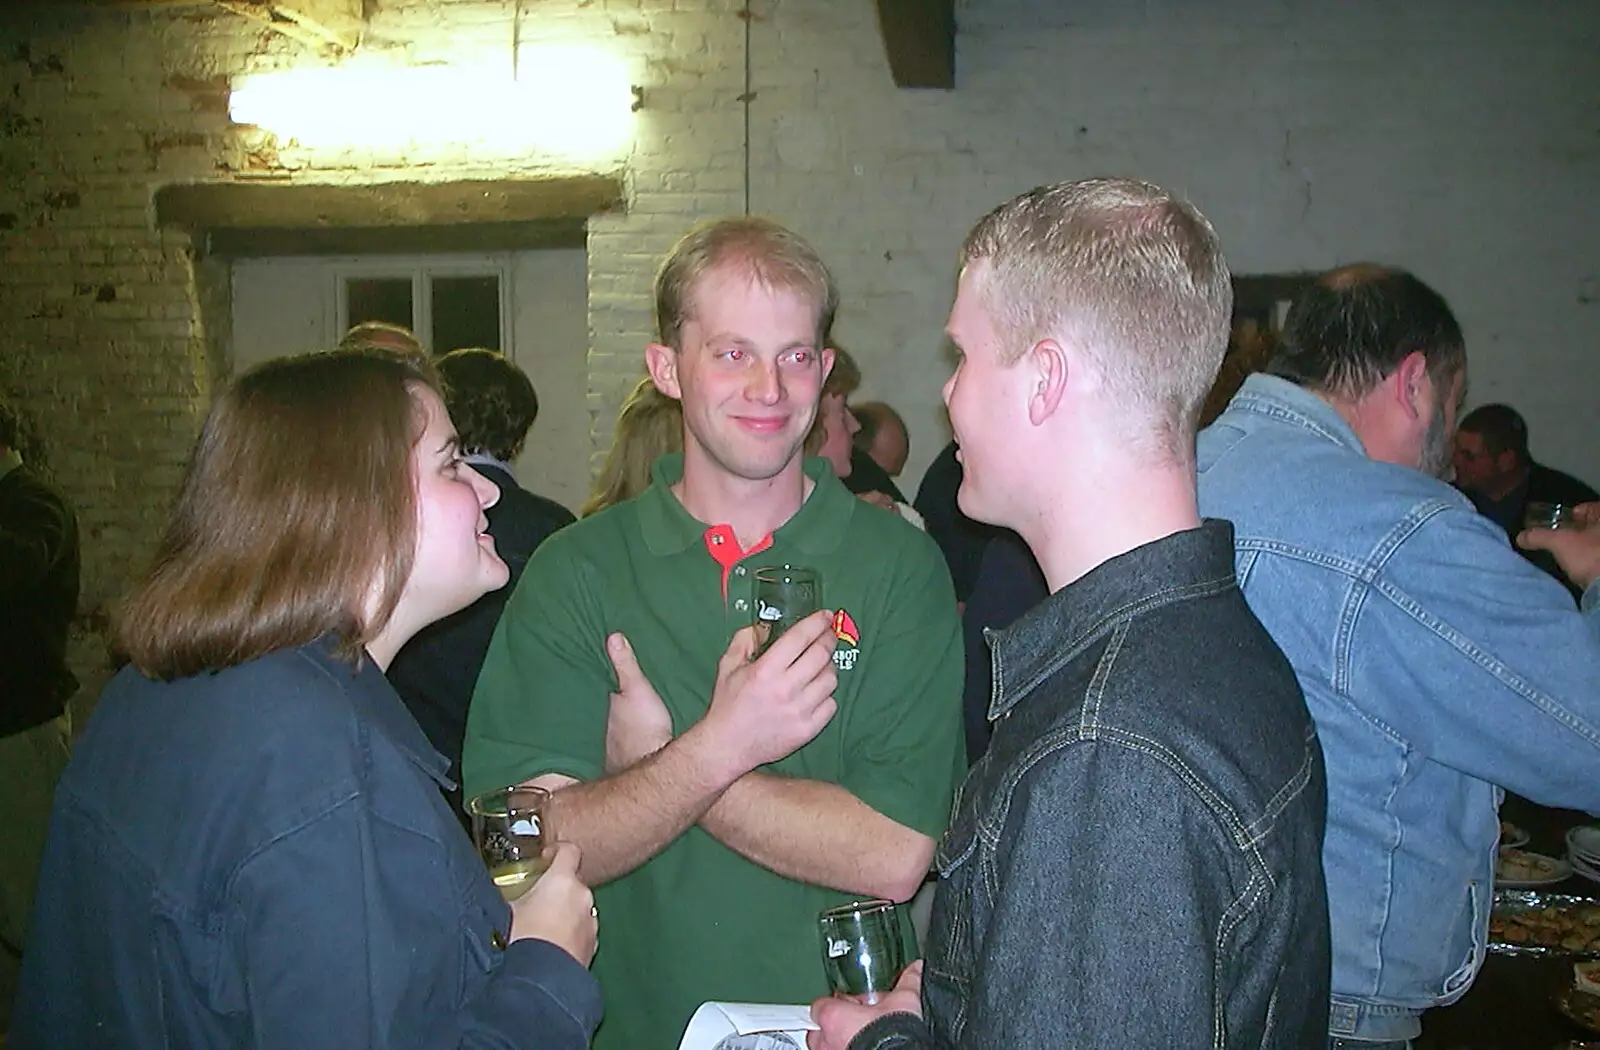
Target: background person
649,425
883,436
38,597
493,405
1493,467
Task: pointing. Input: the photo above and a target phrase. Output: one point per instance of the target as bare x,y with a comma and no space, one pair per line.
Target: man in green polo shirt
719,819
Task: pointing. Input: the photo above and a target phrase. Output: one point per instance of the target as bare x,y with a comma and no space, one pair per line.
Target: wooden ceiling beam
265,206
329,25
920,38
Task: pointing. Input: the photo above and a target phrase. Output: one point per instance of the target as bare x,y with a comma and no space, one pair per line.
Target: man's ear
662,363
827,362
1412,384
1049,367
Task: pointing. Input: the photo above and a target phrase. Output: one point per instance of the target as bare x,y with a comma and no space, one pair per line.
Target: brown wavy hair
297,516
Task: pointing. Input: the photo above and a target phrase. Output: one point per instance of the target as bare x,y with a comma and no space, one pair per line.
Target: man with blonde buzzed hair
1136,860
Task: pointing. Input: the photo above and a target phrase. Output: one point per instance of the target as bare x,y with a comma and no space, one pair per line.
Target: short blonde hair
1133,275
649,425
772,255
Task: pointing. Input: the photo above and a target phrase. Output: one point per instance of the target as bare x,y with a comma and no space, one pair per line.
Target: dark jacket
261,858
435,672
38,597
1136,861
961,539
1009,583
1542,485
866,476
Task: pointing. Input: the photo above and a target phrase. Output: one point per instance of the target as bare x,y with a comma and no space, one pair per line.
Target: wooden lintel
236,205
331,25
920,38
248,242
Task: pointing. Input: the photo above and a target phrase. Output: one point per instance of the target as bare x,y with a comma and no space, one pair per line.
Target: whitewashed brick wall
1456,137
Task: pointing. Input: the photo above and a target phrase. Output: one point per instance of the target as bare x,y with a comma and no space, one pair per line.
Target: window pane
466,312
379,299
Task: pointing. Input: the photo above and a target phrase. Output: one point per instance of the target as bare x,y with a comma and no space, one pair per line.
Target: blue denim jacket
262,858
1437,664
1135,861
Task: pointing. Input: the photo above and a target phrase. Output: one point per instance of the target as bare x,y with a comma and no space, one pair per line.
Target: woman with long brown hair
249,847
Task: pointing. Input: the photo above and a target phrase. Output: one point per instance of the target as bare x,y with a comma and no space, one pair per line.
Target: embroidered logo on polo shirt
849,644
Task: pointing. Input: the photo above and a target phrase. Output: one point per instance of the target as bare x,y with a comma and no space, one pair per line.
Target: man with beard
1439,666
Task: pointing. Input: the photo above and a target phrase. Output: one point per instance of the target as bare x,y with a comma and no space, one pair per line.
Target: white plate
1559,871
1584,841
1587,869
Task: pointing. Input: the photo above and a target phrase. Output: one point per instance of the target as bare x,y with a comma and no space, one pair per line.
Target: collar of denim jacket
1279,399
1190,564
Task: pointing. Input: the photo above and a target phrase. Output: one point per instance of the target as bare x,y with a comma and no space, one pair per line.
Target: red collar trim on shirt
723,546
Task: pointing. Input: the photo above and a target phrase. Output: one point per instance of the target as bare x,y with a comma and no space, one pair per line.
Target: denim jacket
261,858
1135,861
1437,664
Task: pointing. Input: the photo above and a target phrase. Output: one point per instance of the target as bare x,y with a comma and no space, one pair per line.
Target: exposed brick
1457,140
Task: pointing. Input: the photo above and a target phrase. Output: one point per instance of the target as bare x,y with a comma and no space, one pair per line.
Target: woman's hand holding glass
559,908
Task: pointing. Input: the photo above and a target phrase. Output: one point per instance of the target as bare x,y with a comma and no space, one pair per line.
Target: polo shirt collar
818,527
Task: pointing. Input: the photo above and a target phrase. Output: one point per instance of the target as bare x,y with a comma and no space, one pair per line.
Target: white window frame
420,269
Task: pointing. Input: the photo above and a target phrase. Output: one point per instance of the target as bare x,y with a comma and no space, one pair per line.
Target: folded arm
821,834
623,820
658,786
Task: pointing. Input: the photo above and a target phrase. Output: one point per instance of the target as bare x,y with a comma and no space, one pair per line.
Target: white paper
715,1022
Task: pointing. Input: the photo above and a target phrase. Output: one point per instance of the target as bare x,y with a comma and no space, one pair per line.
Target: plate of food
1519,869
1527,922
1579,1002
1511,835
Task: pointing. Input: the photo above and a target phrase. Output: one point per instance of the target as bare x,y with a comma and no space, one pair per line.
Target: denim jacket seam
1166,755
1239,909
1093,632
1260,828
1089,715
1272,408
1464,644
987,831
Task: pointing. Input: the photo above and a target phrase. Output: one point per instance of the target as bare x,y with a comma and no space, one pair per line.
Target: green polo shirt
699,921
